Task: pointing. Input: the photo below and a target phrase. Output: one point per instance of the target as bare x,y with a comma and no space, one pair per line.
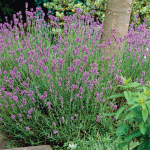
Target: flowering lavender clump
60,92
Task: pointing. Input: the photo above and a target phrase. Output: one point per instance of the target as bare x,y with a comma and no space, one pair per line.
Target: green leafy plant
86,5
140,112
141,8
97,9
66,8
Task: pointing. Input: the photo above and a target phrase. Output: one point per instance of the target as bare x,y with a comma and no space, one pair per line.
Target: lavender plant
138,112
59,93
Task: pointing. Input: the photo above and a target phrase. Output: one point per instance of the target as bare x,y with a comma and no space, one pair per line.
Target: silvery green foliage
100,143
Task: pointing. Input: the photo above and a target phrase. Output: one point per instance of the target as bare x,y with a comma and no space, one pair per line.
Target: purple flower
50,90
93,11
143,73
62,119
71,99
27,128
20,115
109,82
29,112
76,115
111,103
12,116
137,15
49,105
76,95
115,107
15,98
28,116
21,106
24,102
5,72
45,94
114,118
98,118
145,20
12,105
55,93
81,90
103,100
55,132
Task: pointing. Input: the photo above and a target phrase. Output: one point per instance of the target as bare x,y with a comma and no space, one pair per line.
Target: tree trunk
117,17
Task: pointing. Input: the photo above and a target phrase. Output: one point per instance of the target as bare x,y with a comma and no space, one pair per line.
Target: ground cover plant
58,94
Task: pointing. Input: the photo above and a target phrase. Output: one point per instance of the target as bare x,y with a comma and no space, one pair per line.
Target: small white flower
147,49
72,146
145,58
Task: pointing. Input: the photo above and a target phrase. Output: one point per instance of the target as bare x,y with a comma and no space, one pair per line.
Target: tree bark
117,17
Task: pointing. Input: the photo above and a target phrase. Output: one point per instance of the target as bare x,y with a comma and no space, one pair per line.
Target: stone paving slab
41,147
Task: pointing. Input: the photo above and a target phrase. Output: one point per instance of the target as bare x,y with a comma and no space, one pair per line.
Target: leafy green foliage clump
96,8
141,8
86,5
